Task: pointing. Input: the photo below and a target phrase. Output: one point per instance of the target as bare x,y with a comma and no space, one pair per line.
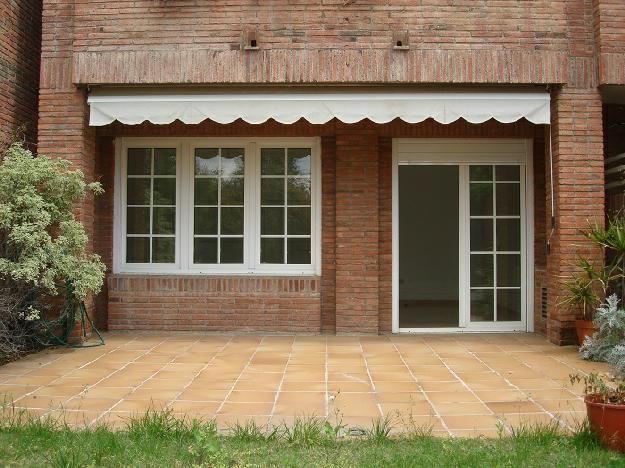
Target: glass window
495,240
213,207
285,206
218,205
151,205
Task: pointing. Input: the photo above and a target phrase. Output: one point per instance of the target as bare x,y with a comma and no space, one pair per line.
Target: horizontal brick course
209,303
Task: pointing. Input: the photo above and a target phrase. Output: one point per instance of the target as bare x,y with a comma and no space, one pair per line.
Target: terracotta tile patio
457,384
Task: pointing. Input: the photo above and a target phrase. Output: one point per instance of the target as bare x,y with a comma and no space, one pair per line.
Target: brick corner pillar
357,248
63,129
578,174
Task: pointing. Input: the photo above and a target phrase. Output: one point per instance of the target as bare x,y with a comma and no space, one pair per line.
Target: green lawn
160,440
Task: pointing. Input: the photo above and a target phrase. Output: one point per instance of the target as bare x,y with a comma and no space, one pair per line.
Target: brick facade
20,40
570,45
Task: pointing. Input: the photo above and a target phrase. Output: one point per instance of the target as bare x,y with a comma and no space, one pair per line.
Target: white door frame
462,152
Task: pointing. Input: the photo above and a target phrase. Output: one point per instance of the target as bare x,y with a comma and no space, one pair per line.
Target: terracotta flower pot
608,421
584,328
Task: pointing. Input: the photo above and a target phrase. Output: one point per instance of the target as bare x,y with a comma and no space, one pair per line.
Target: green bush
42,244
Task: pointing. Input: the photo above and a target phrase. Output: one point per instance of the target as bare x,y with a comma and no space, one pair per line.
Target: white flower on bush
31,314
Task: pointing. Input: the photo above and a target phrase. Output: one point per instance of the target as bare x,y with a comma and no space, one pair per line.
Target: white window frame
185,148
463,153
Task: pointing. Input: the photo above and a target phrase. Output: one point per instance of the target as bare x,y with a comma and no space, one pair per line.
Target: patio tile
141,406
302,386
107,392
199,394
471,422
514,407
551,394
251,397
41,402
447,409
417,408
470,381
451,397
501,395
248,409
193,408
90,404
559,406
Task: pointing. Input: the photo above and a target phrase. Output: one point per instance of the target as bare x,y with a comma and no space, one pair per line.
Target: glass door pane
495,243
428,246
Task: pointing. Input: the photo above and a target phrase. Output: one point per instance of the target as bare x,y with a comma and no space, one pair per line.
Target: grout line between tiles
195,376
279,389
436,413
112,408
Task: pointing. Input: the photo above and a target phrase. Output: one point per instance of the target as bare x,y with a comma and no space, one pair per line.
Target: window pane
232,191
206,161
205,191
509,234
507,173
482,272
508,270
271,250
138,250
205,221
272,161
232,221
481,235
138,191
139,161
481,173
298,251
138,221
298,161
272,191
164,191
165,161
481,197
298,221
232,161
298,191
205,250
508,305
482,305
163,250
231,250
508,199
272,221
164,221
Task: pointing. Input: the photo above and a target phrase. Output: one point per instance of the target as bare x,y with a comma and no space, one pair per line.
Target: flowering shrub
42,245
608,342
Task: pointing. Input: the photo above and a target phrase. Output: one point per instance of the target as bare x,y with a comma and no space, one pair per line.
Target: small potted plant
582,298
605,407
589,288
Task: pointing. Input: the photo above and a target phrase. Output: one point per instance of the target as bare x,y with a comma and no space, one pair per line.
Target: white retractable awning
134,106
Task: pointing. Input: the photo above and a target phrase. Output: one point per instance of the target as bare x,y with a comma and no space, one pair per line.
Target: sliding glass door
461,249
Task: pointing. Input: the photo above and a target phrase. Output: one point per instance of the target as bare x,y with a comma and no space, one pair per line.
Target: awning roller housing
133,106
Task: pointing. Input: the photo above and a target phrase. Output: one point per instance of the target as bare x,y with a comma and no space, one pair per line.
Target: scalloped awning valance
133,106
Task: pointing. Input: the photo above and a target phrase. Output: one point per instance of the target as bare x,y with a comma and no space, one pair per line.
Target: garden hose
67,320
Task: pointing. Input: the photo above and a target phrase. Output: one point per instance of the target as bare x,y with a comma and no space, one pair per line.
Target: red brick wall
20,41
579,196
506,42
353,294
209,303
609,21
162,41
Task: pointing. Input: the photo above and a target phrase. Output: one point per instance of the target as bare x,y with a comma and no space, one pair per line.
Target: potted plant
589,288
605,407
